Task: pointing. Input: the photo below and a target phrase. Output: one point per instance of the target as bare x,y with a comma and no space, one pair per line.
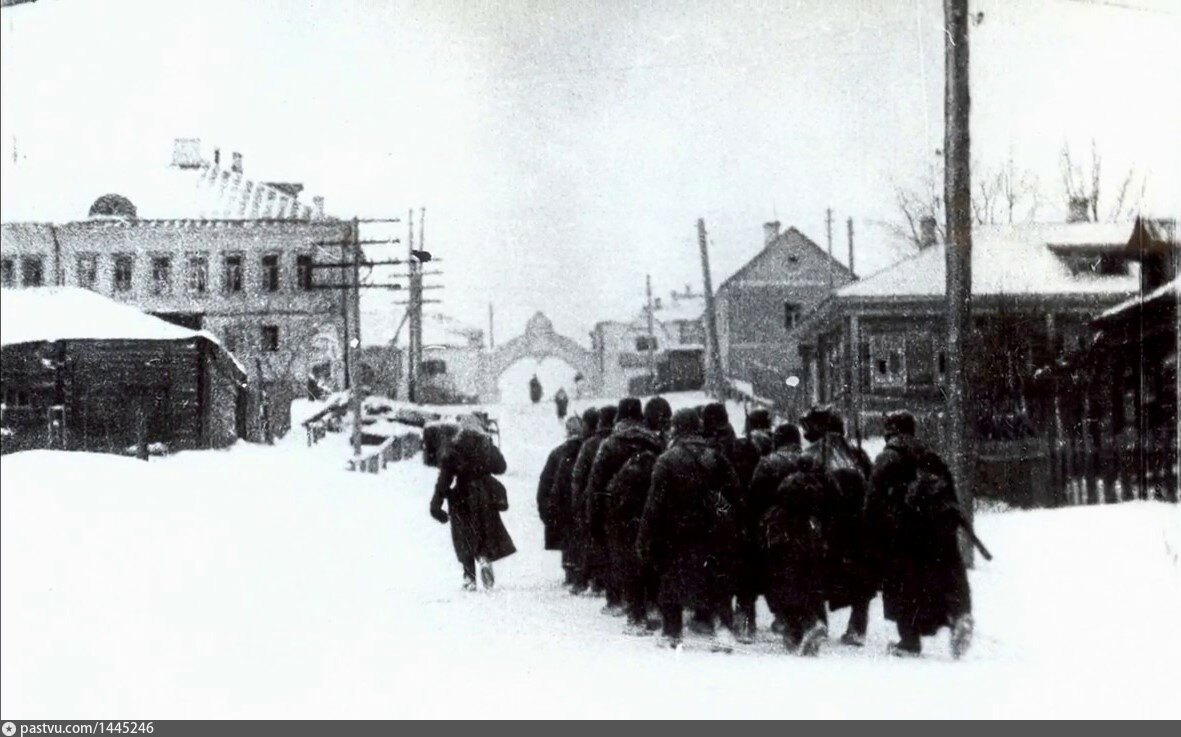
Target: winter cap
714,417
686,422
900,422
817,422
590,419
784,435
657,414
573,427
630,409
759,419
606,417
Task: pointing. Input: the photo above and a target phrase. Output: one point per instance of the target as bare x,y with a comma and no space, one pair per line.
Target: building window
270,273
17,399
9,273
32,271
87,270
434,367
303,271
197,276
124,264
270,338
887,357
646,343
161,274
692,333
791,315
231,273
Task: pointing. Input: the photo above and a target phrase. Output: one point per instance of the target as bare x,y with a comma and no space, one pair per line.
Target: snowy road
265,582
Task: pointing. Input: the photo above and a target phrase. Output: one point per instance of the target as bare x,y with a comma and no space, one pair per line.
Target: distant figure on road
579,385
475,501
561,401
535,389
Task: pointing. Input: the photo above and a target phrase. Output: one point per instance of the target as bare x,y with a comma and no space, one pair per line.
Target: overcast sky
565,149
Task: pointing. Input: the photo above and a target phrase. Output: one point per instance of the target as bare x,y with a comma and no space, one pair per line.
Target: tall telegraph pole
958,197
355,340
412,312
714,369
651,337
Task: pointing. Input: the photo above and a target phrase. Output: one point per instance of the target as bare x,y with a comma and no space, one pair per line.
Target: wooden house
83,372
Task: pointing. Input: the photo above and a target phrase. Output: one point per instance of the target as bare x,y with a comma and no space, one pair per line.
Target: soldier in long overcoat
590,560
555,514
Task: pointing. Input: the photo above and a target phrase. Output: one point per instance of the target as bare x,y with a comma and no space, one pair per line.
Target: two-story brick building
759,306
205,247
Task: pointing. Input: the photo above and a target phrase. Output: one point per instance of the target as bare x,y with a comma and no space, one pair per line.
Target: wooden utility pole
849,222
491,325
355,342
714,369
411,311
416,298
651,337
828,229
957,195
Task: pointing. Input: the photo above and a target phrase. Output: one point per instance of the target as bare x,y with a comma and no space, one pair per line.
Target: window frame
8,272
269,342
28,261
271,276
792,312
86,269
304,274
161,285
123,272
197,274
233,276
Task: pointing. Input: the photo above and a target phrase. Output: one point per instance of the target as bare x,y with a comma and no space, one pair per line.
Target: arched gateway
538,341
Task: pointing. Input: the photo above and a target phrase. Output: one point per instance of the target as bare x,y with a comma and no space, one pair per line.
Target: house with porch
878,344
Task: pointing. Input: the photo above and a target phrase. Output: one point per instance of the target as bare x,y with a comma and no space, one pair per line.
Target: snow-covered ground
267,582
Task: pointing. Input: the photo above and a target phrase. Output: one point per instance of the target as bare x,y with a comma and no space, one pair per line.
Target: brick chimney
928,233
770,231
1078,210
186,153
236,163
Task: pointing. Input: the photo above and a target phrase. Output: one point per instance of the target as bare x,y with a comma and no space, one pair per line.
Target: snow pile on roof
680,309
1173,288
72,313
1007,260
158,192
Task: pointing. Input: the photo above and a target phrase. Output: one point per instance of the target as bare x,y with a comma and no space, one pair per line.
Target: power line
1121,6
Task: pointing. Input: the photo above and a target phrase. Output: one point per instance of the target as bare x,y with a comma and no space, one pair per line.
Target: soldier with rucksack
915,511
688,532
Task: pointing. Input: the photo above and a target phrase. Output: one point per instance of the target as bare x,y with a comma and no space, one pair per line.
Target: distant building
677,343
83,372
202,246
879,344
759,306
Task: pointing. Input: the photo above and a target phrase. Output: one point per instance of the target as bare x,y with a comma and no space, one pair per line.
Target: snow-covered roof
47,314
1173,288
681,309
1007,260
378,327
205,192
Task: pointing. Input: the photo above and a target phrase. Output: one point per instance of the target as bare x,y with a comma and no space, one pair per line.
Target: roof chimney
236,163
186,153
928,235
1078,210
217,157
318,207
770,231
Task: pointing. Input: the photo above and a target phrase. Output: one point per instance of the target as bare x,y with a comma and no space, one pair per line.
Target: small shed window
887,356
434,367
270,338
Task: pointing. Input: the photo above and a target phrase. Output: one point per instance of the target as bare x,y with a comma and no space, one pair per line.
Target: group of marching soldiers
667,513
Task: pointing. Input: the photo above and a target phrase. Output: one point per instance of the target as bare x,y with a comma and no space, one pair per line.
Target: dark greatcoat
849,571
688,532
613,510
745,454
791,539
476,528
924,583
580,553
748,452
553,502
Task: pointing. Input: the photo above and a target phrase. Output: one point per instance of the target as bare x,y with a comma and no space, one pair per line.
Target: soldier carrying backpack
915,514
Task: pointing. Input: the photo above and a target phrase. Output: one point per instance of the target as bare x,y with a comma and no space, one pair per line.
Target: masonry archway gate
539,341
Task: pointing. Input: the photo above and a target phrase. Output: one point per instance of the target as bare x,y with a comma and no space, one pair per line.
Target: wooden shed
83,372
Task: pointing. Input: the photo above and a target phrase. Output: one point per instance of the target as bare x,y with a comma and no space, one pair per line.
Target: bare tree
1082,183
1017,190
917,203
